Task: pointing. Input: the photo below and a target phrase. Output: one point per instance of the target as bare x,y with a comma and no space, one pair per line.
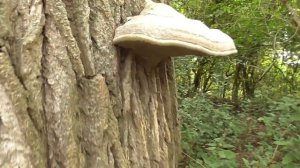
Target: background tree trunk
69,98
236,82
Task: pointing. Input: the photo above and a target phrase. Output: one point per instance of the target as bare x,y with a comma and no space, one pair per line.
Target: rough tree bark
69,98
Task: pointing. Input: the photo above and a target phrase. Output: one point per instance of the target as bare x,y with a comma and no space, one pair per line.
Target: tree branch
295,16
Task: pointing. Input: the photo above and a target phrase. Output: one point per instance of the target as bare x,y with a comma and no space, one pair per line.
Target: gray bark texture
69,98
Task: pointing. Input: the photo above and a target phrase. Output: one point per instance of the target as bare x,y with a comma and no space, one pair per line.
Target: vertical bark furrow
17,131
147,112
126,91
170,106
26,50
79,14
61,101
18,153
132,120
102,31
57,9
95,121
164,133
102,27
138,124
29,45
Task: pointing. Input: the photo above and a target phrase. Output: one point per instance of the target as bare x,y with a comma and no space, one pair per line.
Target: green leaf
246,162
288,158
227,146
296,117
226,154
282,143
211,148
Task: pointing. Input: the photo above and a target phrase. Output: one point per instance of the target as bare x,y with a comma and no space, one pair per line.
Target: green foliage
261,134
205,130
267,43
250,114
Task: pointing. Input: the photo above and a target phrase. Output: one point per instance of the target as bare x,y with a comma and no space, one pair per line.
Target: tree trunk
201,62
248,80
236,83
69,98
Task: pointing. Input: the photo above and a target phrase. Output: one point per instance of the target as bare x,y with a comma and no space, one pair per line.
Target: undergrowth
259,133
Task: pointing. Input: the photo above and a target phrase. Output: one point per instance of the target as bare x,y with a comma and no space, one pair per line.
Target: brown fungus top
160,31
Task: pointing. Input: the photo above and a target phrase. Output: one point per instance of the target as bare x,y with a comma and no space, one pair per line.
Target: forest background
242,110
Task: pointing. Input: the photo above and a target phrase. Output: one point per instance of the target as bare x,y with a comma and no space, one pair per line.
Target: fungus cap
160,31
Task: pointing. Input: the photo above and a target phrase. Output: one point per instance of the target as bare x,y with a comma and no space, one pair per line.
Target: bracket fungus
160,32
